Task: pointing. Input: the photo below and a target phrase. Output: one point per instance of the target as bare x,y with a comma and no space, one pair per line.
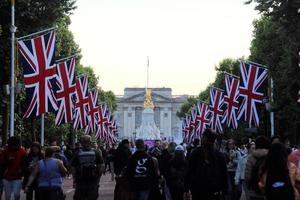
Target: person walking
240,170
232,158
34,156
111,158
87,167
175,175
122,155
279,176
13,159
141,172
206,177
253,167
49,172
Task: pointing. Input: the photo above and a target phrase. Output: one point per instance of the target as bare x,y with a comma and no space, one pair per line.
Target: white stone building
130,107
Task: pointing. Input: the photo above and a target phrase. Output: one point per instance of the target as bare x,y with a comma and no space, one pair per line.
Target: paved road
106,189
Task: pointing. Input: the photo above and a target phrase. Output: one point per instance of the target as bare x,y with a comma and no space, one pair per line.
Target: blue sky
184,40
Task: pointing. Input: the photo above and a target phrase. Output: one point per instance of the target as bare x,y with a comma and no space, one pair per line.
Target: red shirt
14,160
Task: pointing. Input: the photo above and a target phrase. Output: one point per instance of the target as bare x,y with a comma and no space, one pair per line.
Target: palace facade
130,106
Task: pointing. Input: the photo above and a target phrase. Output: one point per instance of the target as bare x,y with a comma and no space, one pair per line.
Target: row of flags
239,102
51,86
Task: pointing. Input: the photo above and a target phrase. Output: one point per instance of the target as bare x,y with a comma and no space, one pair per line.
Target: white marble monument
148,129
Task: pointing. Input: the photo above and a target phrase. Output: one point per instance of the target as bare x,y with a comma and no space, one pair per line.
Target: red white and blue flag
202,117
37,56
93,114
66,91
81,103
216,110
102,122
194,124
231,102
110,137
187,129
251,91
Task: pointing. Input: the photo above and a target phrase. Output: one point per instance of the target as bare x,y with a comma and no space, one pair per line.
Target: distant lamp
19,88
267,103
6,89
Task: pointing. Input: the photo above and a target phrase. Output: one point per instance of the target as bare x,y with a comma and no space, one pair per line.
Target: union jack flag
102,122
81,103
93,114
202,117
216,111
39,70
110,136
251,91
194,123
66,91
231,101
187,129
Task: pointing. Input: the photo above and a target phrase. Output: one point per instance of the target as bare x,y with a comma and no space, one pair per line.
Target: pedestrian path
106,190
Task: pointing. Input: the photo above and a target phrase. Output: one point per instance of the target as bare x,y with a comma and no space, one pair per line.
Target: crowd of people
207,169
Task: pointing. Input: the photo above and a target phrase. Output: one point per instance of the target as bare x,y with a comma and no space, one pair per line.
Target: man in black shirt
87,167
141,172
206,174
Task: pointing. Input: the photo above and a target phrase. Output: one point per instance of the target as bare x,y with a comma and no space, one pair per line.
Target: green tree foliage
109,98
32,16
89,71
226,65
186,106
276,44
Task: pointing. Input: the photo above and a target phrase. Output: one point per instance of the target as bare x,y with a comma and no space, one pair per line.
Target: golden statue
148,100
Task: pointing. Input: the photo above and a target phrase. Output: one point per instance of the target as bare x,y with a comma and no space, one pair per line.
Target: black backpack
255,174
209,173
177,177
88,170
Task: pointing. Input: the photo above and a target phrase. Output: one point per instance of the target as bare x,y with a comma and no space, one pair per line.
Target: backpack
88,170
177,177
255,174
209,173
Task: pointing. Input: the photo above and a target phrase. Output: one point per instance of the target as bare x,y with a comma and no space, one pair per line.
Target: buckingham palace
130,106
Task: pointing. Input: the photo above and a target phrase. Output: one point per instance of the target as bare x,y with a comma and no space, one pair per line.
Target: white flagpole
42,129
12,66
272,113
147,72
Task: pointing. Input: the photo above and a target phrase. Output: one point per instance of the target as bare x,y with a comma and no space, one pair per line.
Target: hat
179,148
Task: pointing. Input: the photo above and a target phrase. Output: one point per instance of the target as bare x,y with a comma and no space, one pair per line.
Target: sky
184,39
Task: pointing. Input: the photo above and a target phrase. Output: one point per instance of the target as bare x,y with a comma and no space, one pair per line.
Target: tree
226,65
186,106
276,44
32,16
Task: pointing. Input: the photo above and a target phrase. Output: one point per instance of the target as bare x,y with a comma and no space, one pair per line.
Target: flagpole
272,113
12,65
147,72
36,33
65,59
42,129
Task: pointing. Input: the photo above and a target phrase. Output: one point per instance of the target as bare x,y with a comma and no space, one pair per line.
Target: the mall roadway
106,190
